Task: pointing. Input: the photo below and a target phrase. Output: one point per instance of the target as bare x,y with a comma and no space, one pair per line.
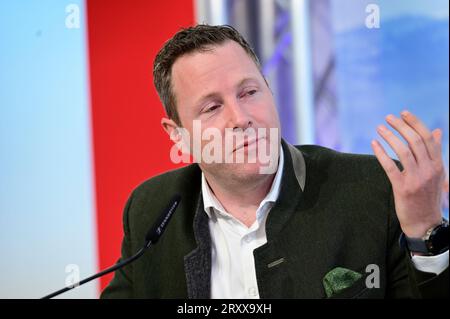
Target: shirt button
248,239
252,291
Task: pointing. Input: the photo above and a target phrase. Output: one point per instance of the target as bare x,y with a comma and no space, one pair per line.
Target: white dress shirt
233,272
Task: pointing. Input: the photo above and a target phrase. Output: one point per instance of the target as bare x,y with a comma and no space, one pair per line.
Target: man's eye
249,93
212,108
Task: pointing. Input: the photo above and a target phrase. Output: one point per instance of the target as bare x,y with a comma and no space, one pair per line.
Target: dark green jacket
343,217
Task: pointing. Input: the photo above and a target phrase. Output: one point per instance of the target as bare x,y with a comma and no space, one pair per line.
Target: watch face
439,239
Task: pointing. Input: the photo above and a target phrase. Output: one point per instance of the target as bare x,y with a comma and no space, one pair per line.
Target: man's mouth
247,143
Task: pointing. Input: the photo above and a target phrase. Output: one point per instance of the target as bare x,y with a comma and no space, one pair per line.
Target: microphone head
160,225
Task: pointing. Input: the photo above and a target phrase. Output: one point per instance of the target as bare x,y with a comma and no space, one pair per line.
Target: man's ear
178,137
171,128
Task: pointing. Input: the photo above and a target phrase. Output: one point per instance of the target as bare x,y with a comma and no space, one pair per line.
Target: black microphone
152,237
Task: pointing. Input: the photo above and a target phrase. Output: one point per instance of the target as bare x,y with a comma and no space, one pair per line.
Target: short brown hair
201,37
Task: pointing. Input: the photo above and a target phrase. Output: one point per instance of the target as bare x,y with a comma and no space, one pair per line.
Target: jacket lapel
272,259
197,264
292,184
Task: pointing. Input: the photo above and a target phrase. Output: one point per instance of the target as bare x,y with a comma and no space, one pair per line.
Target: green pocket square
339,279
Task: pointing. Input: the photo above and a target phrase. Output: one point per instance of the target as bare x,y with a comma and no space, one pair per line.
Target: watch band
417,245
425,244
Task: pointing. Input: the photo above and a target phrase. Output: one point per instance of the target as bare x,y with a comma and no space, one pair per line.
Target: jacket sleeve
404,280
431,285
121,286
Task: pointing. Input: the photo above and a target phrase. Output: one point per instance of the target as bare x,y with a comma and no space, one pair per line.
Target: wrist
420,230
434,242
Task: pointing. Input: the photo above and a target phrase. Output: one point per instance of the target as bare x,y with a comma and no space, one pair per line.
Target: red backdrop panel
129,144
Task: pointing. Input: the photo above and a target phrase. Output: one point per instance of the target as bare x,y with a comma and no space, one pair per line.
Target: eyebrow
216,94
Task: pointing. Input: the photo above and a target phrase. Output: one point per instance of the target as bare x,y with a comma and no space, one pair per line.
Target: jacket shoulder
173,180
346,167
152,196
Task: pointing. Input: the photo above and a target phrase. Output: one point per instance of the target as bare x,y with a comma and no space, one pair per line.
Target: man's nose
238,116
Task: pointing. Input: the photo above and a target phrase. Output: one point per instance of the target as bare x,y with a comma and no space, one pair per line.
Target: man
320,224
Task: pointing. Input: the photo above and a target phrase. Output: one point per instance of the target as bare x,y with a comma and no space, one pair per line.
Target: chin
244,172
235,171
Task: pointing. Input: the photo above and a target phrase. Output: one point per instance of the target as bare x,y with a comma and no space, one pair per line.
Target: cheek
273,112
185,120
274,117
266,114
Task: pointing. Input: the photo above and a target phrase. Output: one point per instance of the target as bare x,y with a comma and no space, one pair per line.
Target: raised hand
418,187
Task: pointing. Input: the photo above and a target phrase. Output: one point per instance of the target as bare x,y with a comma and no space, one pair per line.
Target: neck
241,199
243,194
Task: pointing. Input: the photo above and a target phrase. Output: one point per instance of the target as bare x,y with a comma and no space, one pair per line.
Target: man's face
222,88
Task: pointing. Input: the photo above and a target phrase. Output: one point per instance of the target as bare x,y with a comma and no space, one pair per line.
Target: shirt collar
211,201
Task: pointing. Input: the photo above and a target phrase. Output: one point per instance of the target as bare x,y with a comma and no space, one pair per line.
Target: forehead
224,64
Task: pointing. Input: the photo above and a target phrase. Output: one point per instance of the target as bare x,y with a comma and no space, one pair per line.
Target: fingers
414,139
389,166
437,135
403,152
421,154
428,138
